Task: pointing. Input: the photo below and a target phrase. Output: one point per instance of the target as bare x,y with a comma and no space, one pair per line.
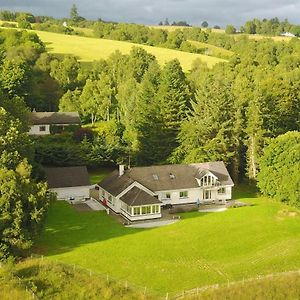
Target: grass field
89,49
213,50
199,250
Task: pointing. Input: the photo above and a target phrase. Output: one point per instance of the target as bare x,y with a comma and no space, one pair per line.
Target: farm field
214,50
173,28
201,249
89,49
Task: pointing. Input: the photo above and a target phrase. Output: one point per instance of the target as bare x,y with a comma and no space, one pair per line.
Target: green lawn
89,49
201,249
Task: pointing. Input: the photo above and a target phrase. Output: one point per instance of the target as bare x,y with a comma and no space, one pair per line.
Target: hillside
89,49
42,279
212,50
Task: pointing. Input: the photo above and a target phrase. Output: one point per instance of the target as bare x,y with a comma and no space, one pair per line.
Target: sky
215,12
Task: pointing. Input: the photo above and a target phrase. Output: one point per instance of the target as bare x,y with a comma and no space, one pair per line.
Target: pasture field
90,49
213,50
201,249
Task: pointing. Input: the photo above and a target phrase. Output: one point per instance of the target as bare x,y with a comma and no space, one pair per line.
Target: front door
207,195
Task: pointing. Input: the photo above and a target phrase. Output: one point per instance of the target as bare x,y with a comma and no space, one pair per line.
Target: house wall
193,195
35,130
68,192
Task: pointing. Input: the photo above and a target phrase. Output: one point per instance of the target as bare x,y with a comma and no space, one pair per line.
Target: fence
197,291
143,292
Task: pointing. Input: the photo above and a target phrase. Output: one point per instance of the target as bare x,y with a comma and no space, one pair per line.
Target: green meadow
89,49
201,249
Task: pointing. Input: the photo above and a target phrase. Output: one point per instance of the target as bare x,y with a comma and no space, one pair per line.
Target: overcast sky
216,12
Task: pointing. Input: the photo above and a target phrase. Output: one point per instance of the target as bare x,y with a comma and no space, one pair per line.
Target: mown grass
43,279
199,250
213,50
90,49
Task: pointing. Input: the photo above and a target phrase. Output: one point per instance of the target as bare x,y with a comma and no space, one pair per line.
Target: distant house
288,34
41,122
68,182
139,193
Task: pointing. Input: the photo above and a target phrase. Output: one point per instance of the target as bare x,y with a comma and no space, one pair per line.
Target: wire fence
143,292
199,290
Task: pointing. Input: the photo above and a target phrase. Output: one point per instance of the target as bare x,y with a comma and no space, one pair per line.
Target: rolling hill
89,49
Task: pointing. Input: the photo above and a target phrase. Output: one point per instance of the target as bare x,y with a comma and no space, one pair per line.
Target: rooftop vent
155,176
172,176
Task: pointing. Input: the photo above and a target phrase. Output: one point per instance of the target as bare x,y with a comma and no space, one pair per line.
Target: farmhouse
43,123
139,193
68,182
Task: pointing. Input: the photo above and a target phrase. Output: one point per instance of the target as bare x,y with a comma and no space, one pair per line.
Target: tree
70,101
279,175
174,98
23,204
74,16
230,29
166,23
96,99
204,24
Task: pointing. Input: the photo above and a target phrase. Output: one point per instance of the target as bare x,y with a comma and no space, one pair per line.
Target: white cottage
139,193
42,121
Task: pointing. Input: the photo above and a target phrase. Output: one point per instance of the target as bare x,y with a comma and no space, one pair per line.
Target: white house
138,193
288,34
68,182
42,121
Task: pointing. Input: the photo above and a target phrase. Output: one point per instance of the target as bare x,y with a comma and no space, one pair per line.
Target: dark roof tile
136,197
44,118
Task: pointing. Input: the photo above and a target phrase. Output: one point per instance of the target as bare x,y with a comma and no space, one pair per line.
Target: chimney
121,170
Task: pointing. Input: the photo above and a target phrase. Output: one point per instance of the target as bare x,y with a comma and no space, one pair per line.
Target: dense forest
137,112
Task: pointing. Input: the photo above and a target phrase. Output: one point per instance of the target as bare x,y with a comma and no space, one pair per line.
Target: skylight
155,176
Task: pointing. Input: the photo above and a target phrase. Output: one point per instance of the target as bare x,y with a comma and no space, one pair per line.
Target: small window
167,195
183,194
144,210
42,128
148,209
110,200
221,190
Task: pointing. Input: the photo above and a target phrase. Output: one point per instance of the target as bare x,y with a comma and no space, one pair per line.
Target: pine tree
174,98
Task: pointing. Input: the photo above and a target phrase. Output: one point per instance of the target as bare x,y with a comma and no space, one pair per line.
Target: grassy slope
89,49
51,280
215,51
199,250
279,286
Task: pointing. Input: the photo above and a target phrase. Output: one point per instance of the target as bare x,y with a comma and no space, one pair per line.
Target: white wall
35,130
193,195
67,192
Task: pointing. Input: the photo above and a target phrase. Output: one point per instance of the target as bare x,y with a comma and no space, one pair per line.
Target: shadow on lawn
66,229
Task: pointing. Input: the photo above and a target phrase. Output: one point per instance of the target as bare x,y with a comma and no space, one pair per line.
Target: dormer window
208,180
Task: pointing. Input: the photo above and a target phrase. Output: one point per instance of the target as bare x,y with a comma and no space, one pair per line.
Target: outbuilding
68,182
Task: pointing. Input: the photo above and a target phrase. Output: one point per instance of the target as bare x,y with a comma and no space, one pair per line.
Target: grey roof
44,118
165,177
136,196
67,177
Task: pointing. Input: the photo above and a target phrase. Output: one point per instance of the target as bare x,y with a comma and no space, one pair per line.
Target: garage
68,182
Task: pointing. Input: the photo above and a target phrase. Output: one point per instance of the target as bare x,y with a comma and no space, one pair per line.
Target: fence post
145,290
167,296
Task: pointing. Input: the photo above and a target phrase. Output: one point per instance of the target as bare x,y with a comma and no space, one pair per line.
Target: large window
208,180
145,210
43,128
183,194
136,211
